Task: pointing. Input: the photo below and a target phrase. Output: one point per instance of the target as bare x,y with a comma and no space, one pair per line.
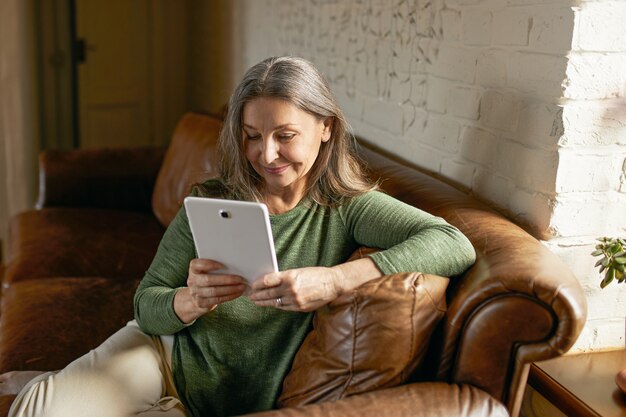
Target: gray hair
336,175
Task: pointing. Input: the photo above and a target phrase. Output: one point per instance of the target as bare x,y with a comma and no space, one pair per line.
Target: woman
198,347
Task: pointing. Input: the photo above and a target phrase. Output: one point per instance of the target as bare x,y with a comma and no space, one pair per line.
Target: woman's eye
286,136
252,137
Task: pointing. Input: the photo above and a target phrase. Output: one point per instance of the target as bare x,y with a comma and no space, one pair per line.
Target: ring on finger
279,301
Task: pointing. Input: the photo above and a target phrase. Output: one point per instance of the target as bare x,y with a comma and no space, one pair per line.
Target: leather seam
355,304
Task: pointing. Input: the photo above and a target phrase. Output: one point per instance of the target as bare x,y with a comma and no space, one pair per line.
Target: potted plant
612,262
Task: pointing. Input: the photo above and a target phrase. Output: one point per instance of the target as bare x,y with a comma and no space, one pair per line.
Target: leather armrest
518,304
102,178
430,399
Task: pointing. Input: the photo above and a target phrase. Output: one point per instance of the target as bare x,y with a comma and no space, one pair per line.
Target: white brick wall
521,101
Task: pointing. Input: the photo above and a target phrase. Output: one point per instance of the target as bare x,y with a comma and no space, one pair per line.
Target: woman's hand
307,289
302,289
206,289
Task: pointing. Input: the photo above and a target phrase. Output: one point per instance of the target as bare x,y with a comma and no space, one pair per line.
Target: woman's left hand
302,289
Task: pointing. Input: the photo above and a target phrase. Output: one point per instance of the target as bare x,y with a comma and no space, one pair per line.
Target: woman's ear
328,128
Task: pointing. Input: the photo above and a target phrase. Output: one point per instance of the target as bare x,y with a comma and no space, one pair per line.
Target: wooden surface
583,384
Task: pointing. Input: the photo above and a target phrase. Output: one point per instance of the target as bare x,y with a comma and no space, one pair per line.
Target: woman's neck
279,203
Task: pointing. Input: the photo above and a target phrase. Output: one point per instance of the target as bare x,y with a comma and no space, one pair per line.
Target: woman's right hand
206,289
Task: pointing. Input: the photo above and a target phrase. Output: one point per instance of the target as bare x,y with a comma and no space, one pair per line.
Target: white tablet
235,233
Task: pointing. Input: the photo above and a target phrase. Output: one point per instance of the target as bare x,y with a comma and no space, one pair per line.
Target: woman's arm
155,297
410,239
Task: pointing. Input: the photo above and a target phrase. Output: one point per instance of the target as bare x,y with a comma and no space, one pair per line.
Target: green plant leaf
605,262
620,260
597,252
621,253
608,277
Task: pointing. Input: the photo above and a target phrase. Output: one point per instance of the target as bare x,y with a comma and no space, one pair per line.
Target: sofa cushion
47,323
191,158
372,338
425,399
75,242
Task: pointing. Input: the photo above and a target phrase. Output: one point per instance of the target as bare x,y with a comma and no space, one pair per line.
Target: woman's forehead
271,112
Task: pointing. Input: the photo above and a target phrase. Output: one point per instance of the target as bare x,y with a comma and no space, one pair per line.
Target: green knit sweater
233,360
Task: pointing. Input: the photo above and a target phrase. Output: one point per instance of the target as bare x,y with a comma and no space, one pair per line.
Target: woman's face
282,143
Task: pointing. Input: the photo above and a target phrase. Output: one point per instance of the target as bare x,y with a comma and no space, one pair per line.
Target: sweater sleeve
154,298
411,239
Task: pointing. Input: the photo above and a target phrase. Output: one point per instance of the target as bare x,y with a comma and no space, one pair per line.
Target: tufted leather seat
75,261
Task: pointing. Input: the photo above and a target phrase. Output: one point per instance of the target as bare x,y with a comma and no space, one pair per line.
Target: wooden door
114,79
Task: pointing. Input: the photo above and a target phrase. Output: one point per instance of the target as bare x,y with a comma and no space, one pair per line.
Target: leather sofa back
190,158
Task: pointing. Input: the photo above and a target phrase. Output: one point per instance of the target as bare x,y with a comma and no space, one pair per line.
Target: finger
216,292
267,281
214,280
214,301
284,304
200,265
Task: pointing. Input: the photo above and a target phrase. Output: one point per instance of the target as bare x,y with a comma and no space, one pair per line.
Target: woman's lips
276,170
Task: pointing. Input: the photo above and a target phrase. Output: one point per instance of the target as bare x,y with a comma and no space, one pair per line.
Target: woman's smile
282,143
276,170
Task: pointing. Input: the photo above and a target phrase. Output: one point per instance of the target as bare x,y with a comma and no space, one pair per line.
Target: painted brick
492,186
366,81
426,157
581,171
534,169
451,25
442,133
401,58
466,2
378,52
400,88
533,209
436,94
419,85
622,178
383,115
530,2
500,110
511,27
589,214
458,170
491,68
595,76
464,102
395,144
352,105
552,29
540,124
595,123
425,51
476,27
414,122
479,146
538,74
455,63
601,26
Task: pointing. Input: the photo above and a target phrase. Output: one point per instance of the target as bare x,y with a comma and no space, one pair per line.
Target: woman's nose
270,151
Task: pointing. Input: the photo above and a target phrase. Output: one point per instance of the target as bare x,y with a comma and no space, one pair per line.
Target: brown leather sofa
74,262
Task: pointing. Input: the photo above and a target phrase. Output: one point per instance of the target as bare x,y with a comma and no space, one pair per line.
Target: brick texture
521,101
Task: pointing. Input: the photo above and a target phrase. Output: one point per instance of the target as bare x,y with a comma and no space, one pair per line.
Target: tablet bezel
242,241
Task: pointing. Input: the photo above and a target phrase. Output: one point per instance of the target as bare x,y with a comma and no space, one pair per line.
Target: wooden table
582,384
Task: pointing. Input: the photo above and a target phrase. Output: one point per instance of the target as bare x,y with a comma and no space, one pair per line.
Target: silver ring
279,301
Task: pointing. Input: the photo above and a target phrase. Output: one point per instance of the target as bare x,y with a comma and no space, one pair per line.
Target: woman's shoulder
213,188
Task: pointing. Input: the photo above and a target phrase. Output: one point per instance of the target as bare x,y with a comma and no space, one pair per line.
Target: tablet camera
225,214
